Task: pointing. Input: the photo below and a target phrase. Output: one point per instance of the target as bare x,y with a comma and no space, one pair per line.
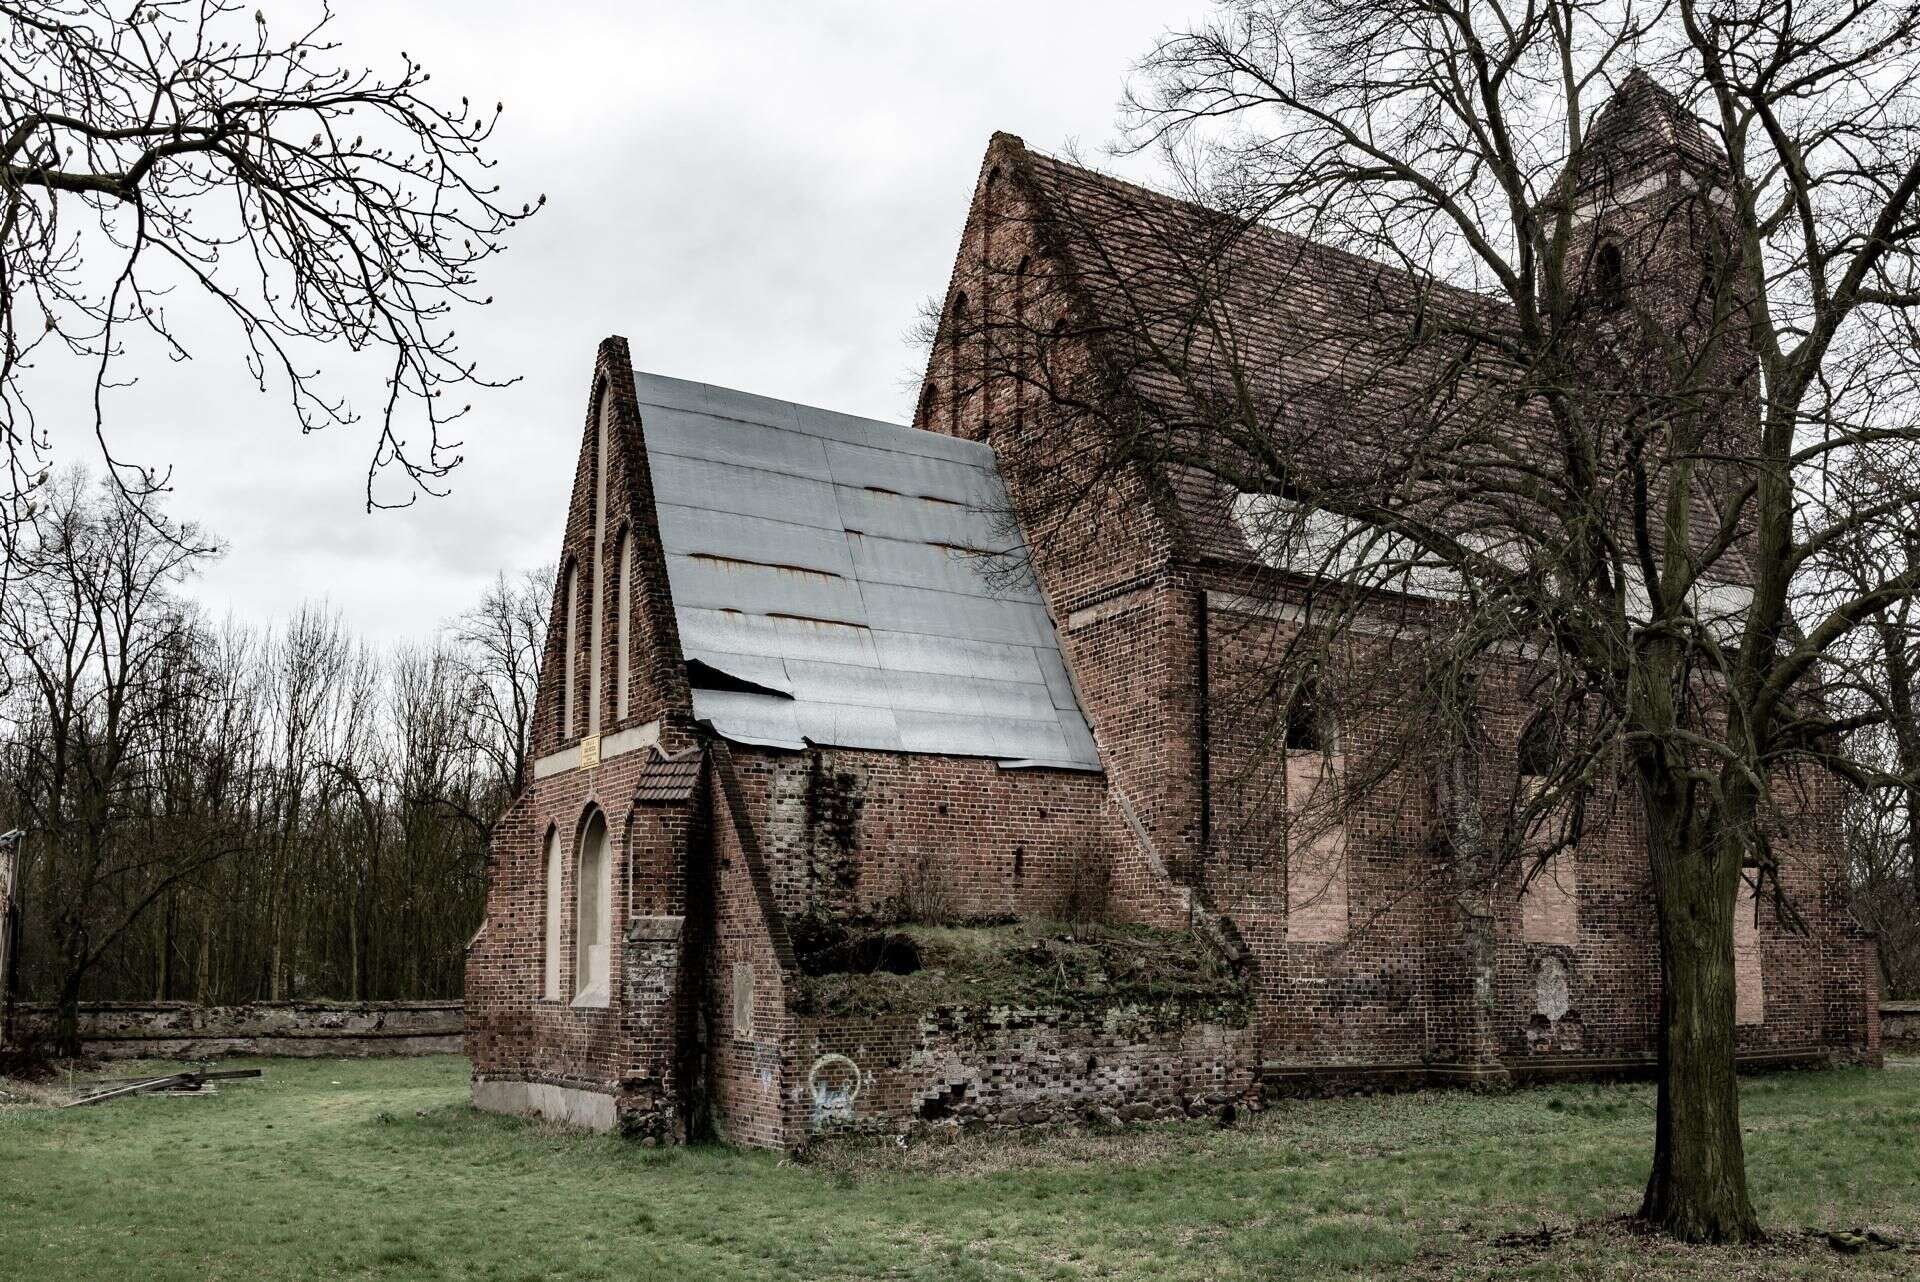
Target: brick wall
851,833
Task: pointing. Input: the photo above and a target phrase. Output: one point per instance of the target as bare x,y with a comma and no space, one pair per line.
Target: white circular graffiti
834,1084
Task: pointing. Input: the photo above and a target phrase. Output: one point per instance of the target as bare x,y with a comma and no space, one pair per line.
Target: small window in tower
1609,276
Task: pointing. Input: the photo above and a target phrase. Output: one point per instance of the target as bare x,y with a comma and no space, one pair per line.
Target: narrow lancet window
622,623
554,917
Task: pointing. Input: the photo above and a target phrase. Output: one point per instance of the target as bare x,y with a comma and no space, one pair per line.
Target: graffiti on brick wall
1556,1025
833,1084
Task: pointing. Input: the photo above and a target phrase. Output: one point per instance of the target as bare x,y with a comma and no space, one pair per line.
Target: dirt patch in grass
1617,1246
911,968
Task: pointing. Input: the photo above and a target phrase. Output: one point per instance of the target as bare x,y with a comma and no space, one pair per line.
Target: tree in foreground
180,147
1611,356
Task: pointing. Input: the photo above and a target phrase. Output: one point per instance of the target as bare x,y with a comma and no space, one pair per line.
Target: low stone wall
1900,1028
309,1030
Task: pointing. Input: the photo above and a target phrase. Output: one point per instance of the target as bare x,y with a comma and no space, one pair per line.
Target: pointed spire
1642,133
1642,115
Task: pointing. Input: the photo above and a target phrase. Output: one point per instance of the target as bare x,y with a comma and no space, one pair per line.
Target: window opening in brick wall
1550,899
1316,831
593,916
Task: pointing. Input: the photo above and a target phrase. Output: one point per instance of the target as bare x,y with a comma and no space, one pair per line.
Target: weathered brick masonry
806,769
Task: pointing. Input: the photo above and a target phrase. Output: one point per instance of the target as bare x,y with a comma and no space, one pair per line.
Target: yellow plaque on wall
589,751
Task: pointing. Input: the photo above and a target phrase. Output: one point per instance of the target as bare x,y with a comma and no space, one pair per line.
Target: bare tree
176,143
227,814
105,667
1880,863
1880,685
1508,389
501,641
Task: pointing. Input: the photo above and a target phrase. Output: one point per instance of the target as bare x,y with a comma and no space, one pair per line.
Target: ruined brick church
855,805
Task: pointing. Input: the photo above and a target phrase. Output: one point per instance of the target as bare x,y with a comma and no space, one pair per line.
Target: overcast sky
759,195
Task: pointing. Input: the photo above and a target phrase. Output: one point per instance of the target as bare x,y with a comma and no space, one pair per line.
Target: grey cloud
755,195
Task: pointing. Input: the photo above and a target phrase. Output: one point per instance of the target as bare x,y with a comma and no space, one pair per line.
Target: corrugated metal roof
861,575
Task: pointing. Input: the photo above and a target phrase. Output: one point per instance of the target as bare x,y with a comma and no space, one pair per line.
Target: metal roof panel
699,531
825,556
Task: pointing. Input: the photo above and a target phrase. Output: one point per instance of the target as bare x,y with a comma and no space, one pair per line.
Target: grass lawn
378,1168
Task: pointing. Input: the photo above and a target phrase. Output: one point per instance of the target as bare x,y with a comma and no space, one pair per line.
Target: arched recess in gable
570,649
593,911
623,624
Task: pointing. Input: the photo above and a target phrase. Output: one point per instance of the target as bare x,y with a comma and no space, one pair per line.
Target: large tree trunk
1698,1189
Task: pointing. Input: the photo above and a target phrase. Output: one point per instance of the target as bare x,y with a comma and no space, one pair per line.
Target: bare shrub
1089,888
925,895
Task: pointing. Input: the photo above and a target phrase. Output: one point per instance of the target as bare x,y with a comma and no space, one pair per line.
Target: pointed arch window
622,626
1749,971
1316,830
555,916
1308,729
593,915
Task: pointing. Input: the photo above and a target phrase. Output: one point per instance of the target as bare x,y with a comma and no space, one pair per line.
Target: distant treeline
220,813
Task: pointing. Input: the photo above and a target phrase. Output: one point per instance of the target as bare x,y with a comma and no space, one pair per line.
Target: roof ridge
1288,239
794,427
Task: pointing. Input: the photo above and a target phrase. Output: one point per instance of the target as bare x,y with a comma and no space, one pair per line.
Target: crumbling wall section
974,1066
